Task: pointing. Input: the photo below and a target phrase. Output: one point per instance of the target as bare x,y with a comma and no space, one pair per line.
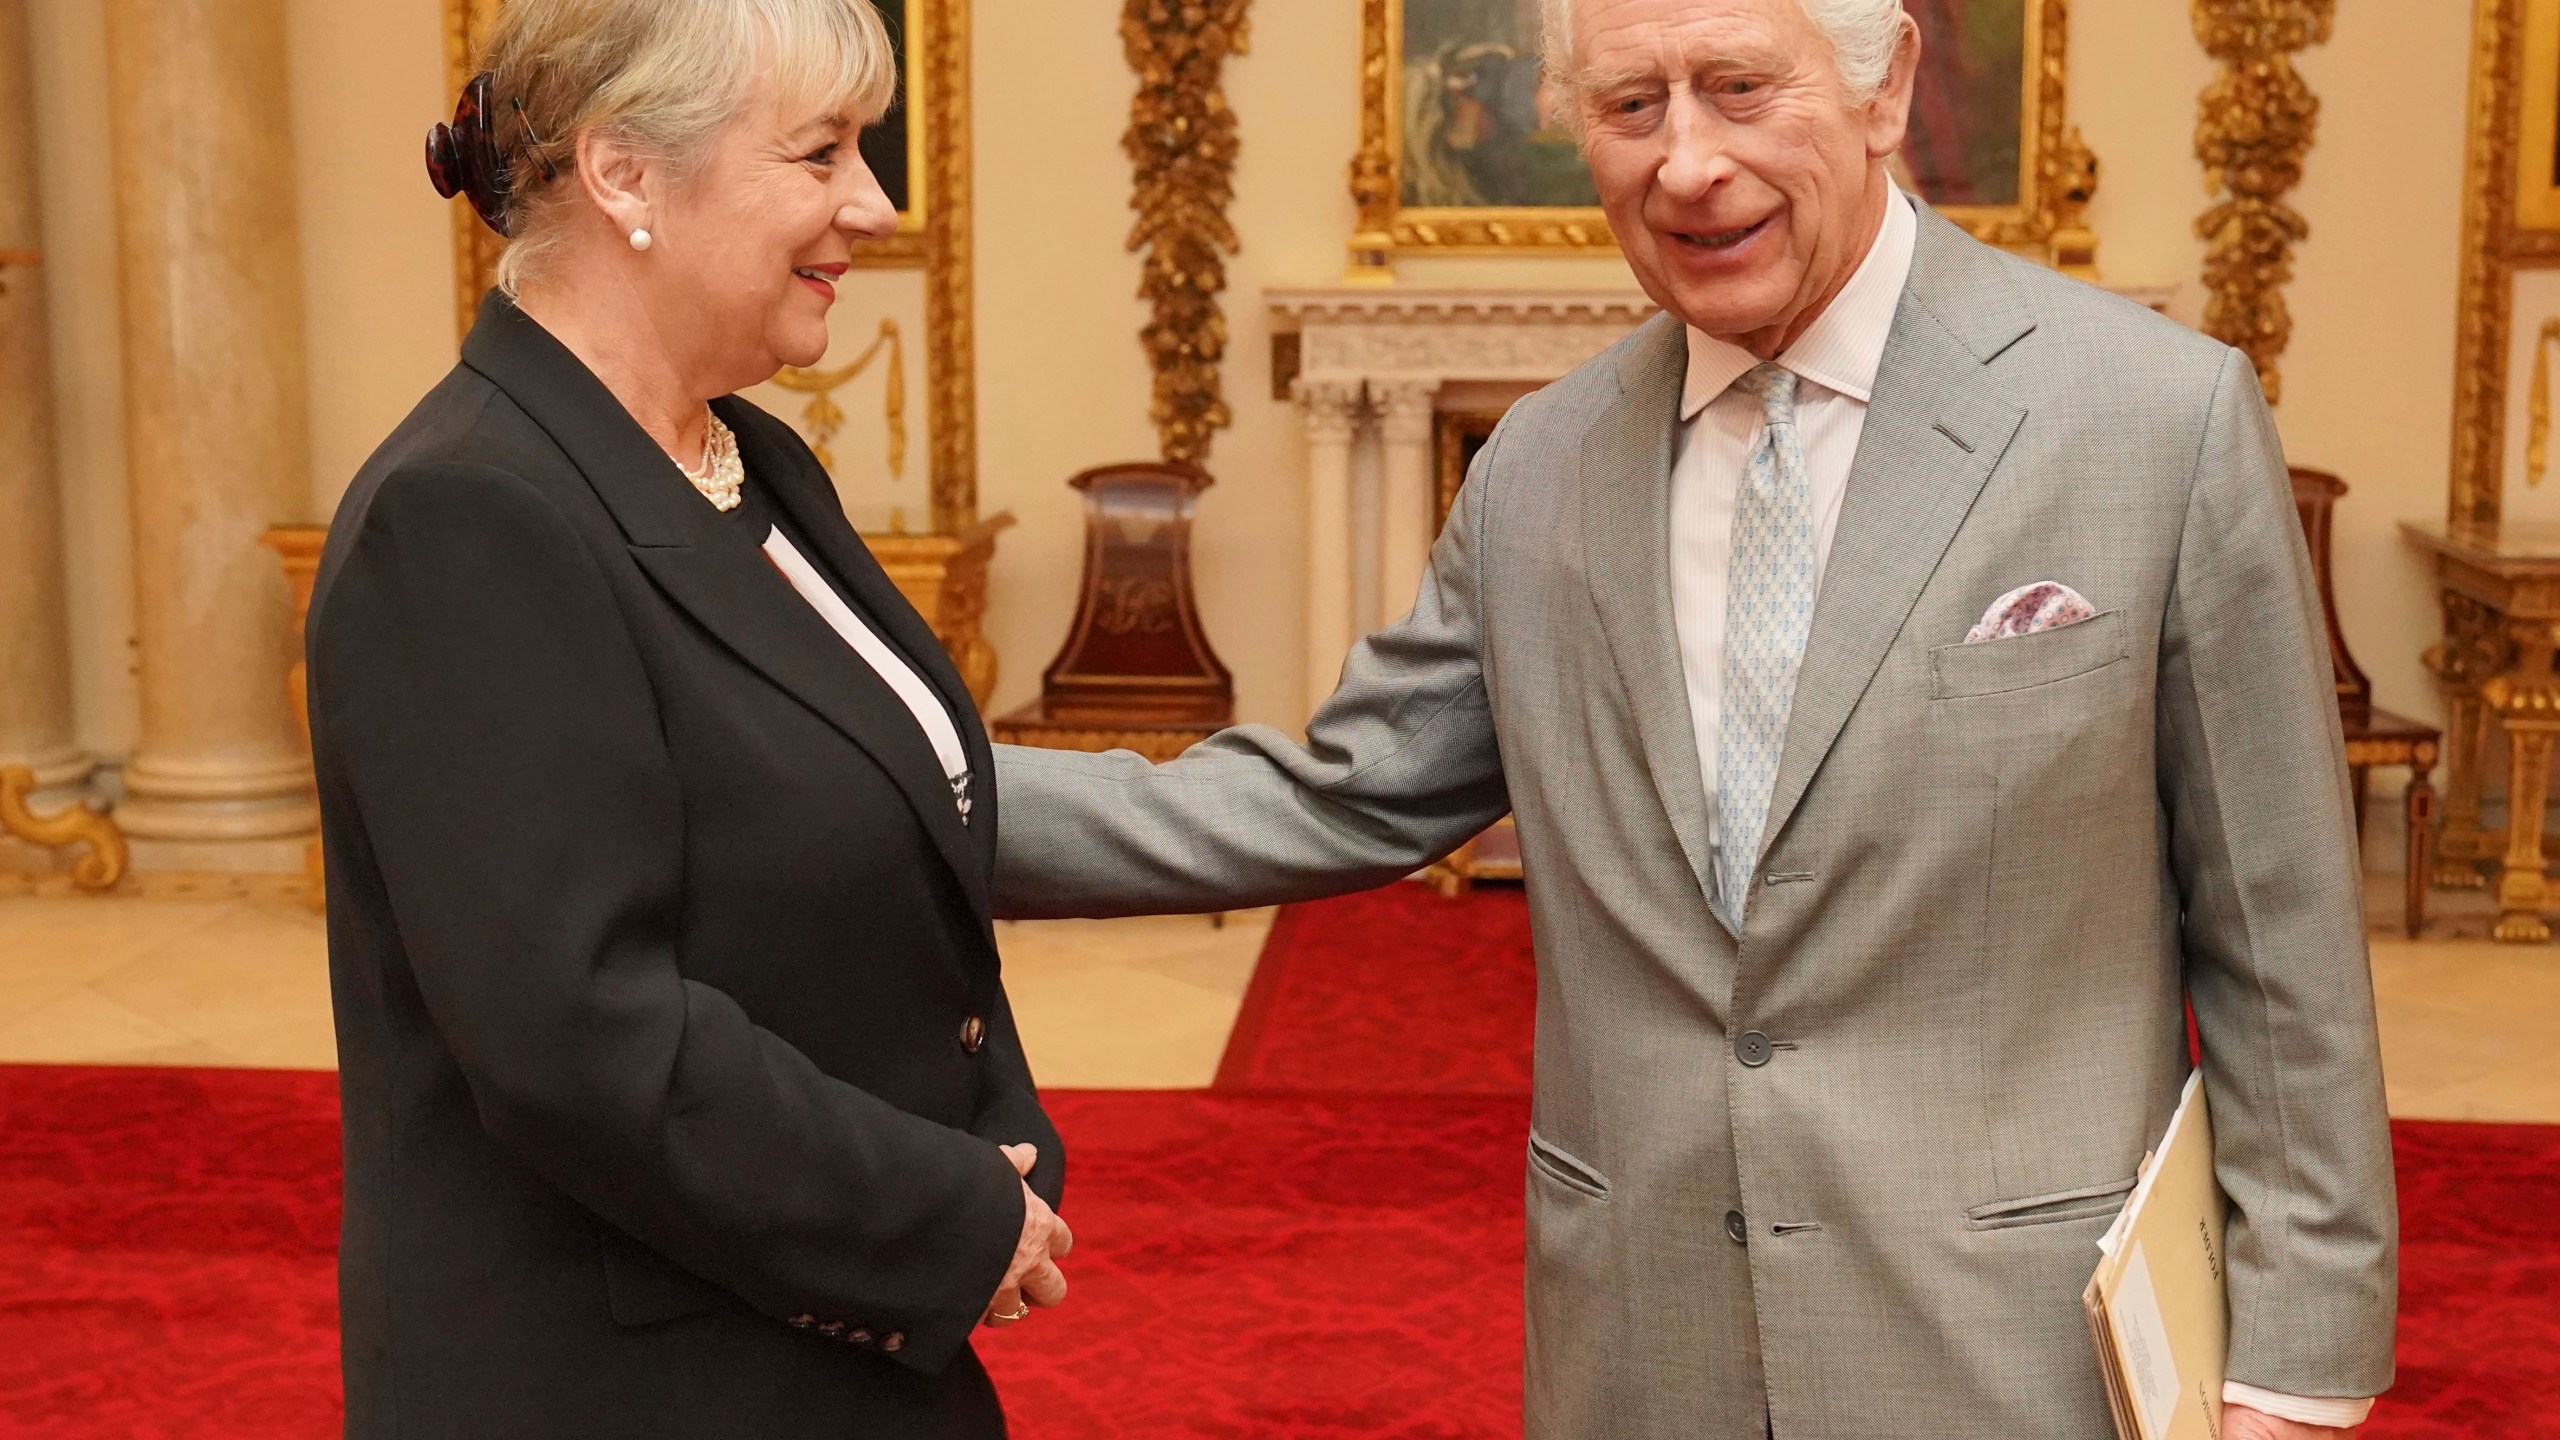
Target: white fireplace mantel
1372,365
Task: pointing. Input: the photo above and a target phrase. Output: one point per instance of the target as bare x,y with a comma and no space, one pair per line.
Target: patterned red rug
1248,1266
1393,990
1326,1265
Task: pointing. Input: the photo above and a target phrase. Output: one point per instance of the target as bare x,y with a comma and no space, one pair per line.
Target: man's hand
1033,1278
2239,1422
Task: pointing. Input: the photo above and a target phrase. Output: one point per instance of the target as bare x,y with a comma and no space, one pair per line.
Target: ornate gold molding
2490,250
1181,144
2057,173
939,77
105,859
950,299
2254,124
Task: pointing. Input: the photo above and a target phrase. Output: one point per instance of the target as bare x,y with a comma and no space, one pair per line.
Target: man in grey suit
1905,667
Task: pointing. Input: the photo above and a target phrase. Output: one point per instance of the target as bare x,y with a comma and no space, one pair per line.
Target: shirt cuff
2337,1414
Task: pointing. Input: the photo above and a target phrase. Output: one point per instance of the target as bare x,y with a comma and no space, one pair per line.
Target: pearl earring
642,240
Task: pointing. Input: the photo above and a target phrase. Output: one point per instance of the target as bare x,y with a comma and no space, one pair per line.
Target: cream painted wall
1062,384
2368,389
377,260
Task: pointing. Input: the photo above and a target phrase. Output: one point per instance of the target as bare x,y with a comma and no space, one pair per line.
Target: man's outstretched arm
1399,768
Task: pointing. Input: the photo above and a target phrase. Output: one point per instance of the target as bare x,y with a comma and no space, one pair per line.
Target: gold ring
1022,1314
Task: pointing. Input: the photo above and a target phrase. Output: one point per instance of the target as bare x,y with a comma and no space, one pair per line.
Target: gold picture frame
933,233
2510,223
2056,172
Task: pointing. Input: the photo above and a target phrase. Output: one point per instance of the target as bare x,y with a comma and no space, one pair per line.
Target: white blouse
926,706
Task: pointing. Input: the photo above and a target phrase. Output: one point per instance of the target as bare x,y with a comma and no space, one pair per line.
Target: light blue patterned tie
1769,593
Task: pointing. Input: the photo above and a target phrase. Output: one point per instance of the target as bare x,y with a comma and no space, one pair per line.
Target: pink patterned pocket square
2045,605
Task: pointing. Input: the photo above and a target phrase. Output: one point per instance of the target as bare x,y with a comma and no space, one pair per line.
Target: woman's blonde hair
665,77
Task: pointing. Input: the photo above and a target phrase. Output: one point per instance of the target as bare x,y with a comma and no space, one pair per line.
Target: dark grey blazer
672,1043
1848,1168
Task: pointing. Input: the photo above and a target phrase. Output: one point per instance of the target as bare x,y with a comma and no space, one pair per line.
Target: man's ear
1889,113
620,181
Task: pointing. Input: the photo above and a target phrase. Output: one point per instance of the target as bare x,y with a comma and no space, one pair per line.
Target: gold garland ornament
99,869
2537,435
824,417
2254,124
1181,144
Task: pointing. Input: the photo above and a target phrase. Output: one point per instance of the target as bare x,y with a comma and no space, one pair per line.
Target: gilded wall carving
2255,123
2509,76
1181,144
103,854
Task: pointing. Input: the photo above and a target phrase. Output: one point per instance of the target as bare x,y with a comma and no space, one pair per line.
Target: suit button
859,1337
802,1322
1753,1049
973,1035
894,1343
1739,1232
832,1329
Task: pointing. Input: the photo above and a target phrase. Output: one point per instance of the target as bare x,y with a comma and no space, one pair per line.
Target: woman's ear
620,181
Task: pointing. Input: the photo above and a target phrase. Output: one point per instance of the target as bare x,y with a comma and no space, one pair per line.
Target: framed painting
921,153
1464,146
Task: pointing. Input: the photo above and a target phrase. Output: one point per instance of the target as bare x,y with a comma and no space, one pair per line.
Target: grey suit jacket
1924,1074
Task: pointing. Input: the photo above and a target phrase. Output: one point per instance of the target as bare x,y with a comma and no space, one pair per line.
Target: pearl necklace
722,474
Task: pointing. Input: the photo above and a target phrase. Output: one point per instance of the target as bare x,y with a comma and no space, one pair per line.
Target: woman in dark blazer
675,1060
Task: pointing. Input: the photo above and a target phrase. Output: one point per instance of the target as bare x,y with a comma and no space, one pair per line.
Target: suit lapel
737,596
719,576
1626,539
807,494
1935,430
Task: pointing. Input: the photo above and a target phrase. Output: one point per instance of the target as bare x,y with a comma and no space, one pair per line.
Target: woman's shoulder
464,435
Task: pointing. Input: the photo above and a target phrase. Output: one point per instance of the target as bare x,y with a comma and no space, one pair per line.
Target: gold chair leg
2420,815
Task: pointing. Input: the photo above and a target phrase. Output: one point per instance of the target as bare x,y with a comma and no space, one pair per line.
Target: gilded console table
2500,589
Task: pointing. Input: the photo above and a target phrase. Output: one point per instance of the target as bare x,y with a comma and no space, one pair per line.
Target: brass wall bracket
2254,125
106,859
1181,144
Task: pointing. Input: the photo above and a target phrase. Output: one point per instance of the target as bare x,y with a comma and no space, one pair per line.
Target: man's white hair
1863,36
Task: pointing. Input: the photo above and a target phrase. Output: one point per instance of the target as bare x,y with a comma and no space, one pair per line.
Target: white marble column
215,430
1330,410
35,646
1405,527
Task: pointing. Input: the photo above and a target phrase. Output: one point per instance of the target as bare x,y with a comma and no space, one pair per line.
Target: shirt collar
1841,350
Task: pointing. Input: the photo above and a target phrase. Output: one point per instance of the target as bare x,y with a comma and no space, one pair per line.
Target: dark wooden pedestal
1136,672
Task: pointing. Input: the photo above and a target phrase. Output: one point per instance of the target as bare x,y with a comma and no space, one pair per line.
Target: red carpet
168,1254
1392,990
1269,1264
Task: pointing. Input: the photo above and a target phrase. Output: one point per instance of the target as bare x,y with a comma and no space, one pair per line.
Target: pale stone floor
235,975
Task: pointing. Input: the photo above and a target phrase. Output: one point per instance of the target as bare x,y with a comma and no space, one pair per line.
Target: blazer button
1734,1228
1753,1049
973,1035
859,1337
802,1322
832,1329
894,1343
